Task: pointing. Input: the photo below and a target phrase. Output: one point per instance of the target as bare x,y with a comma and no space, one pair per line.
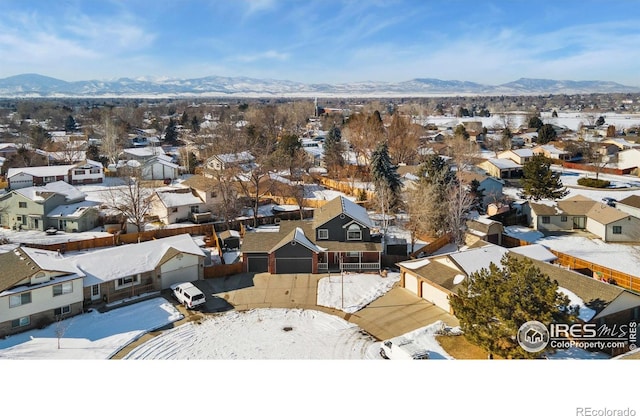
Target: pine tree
171,133
333,158
493,303
546,133
535,122
540,182
477,194
387,181
70,124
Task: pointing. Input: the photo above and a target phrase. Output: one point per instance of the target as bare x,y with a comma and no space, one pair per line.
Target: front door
579,223
95,292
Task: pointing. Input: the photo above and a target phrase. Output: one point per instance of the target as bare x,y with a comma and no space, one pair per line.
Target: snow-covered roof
177,199
504,163
51,260
162,161
535,251
72,210
235,157
99,266
471,261
70,192
552,149
41,171
523,152
145,151
414,264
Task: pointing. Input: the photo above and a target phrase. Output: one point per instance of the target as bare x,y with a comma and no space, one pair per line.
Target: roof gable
632,201
299,237
339,206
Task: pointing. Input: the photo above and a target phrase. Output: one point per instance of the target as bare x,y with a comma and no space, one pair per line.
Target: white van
188,295
401,348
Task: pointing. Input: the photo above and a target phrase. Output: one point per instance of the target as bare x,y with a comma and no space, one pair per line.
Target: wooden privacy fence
433,246
222,270
347,188
599,272
588,268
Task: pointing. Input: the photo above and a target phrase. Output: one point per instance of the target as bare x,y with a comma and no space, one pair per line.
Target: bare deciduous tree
132,200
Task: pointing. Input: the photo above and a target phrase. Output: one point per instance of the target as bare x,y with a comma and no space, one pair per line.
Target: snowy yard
359,289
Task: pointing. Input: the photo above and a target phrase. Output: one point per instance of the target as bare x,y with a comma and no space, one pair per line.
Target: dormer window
354,232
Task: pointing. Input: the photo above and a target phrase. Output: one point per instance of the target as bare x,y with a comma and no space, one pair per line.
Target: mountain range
35,85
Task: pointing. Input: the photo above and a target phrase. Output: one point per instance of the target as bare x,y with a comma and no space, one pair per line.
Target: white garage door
185,274
411,283
435,296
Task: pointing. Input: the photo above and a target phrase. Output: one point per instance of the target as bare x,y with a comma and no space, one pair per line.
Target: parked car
609,201
188,295
400,348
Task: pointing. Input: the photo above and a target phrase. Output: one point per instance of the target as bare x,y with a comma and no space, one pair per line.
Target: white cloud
267,55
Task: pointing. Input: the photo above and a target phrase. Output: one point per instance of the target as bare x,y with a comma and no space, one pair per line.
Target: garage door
185,274
258,264
411,283
435,296
293,265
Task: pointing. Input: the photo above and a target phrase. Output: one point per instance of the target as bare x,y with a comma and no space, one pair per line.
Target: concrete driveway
393,314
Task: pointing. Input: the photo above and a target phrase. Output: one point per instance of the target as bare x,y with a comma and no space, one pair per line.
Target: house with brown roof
36,288
491,186
579,212
338,238
438,278
630,205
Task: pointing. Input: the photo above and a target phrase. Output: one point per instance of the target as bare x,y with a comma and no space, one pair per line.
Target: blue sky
317,41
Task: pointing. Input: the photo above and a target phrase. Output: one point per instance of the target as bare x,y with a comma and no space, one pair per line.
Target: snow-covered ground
359,289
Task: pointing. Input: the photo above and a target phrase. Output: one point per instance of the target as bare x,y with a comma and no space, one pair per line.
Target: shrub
593,183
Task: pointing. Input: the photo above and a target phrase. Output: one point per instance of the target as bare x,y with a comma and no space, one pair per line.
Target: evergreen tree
535,123
333,157
171,133
493,303
600,121
387,181
195,124
477,194
554,114
546,133
539,181
70,124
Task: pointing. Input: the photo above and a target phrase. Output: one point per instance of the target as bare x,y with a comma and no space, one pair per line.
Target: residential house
338,237
86,172
142,154
630,205
579,212
244,160
207,189
124,271
82,173
520,156
178,205
502,168
77,217
621,143
551,152
628,160
438,278
28,208
36,288
491,186
8,149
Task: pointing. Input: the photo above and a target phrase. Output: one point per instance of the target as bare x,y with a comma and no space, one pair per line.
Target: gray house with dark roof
337,238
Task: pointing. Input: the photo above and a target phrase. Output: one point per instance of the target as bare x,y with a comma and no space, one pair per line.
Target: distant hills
35,85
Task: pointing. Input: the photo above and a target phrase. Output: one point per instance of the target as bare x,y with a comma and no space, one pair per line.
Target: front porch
349,261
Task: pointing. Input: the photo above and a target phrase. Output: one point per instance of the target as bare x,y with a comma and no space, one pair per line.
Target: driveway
395,313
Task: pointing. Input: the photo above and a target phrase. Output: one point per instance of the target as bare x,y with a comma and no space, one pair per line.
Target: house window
128,281
354,232
22,204
62,289
21,299
546,220
617,229
214,194
174,209
79,172
194,209
563,218
62,310
323,234
24,321
353,254
48,179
